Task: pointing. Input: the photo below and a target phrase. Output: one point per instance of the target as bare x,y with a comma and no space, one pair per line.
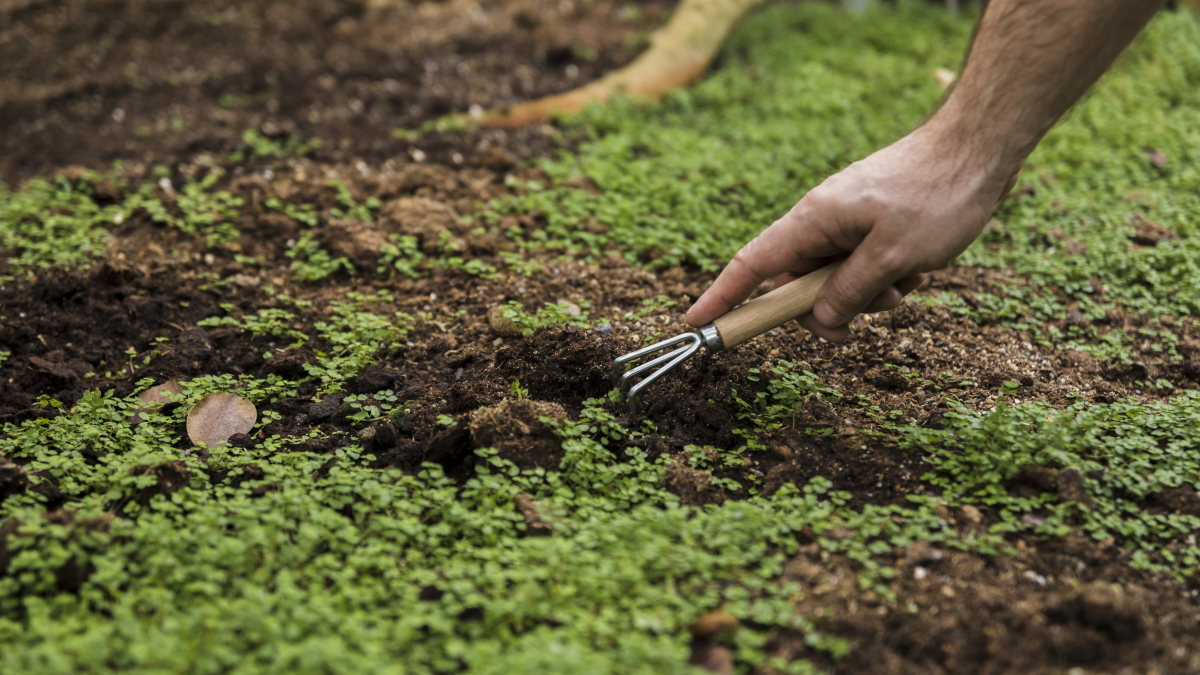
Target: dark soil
90,81
348,73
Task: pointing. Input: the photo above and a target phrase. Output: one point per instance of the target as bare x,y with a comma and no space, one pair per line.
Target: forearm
1030,62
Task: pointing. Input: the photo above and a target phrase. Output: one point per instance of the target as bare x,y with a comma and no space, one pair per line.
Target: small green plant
402,255
261,146
313,263
263,323
652,306
53,223
553,314
303,213
351,209
518,392
526,268
370,406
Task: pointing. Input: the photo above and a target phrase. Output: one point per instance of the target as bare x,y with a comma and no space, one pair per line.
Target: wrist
985,145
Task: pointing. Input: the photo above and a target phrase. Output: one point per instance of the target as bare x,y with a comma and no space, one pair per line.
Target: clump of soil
520,431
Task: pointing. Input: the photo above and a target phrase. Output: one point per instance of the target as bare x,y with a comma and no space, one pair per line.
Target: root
678,55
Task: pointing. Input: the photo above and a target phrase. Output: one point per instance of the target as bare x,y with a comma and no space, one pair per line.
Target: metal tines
690,344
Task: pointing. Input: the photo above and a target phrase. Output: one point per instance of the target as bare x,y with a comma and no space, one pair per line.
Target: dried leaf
154,398
944,76
216,417
1157,157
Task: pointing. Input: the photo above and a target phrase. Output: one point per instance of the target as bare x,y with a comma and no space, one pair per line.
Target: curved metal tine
683,355
619,363
628,377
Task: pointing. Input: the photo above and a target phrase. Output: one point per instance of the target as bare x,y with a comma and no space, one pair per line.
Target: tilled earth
348,73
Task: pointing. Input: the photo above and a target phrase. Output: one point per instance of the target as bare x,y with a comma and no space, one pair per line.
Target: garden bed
996,477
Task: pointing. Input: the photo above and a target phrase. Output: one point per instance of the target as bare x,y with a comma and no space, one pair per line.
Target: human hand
906,210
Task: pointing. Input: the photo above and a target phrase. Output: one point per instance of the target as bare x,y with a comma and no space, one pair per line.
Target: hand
908,209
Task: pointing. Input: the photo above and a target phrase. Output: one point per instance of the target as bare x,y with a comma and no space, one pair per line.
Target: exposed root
678,55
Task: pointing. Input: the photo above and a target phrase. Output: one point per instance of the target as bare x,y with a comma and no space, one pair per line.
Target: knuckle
845,295
748,259
892,262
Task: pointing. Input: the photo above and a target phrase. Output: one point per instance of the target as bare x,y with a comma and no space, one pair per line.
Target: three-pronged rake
744,323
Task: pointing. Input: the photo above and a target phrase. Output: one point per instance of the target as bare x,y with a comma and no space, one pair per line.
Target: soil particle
887,378
971,514
518,433
289,363
1037,477
449,446
422,218
714,625
169,477
922,553
1103,607
12,479
325,408
713,659
537,523
693,486
1182,500
502,325
1149,233
354,240
1069,486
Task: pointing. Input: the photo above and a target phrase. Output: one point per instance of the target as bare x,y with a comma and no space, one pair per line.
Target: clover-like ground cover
999,478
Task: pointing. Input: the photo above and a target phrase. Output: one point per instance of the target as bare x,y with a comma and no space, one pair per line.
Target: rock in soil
502,325
1070,488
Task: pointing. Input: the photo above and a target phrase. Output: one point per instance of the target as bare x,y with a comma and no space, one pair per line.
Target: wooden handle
772,310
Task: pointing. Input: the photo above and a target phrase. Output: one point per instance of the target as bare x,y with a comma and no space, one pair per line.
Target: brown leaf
1157,157
713,624
218,416
154,398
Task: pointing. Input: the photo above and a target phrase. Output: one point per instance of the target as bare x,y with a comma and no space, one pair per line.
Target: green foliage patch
1128,451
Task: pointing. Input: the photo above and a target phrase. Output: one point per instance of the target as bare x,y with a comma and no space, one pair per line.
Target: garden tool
743,323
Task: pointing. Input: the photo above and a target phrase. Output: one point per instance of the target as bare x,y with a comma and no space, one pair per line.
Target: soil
348,73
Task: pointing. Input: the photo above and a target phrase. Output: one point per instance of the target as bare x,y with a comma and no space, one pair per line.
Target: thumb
869,271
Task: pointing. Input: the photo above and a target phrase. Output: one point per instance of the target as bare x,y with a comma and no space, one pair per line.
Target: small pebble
604,329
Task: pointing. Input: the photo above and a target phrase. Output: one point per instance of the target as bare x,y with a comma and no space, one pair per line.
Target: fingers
911,283
891,298
770,254
864,277
735,283
832,334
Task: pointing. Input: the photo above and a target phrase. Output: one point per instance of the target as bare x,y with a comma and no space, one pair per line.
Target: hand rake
743,323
